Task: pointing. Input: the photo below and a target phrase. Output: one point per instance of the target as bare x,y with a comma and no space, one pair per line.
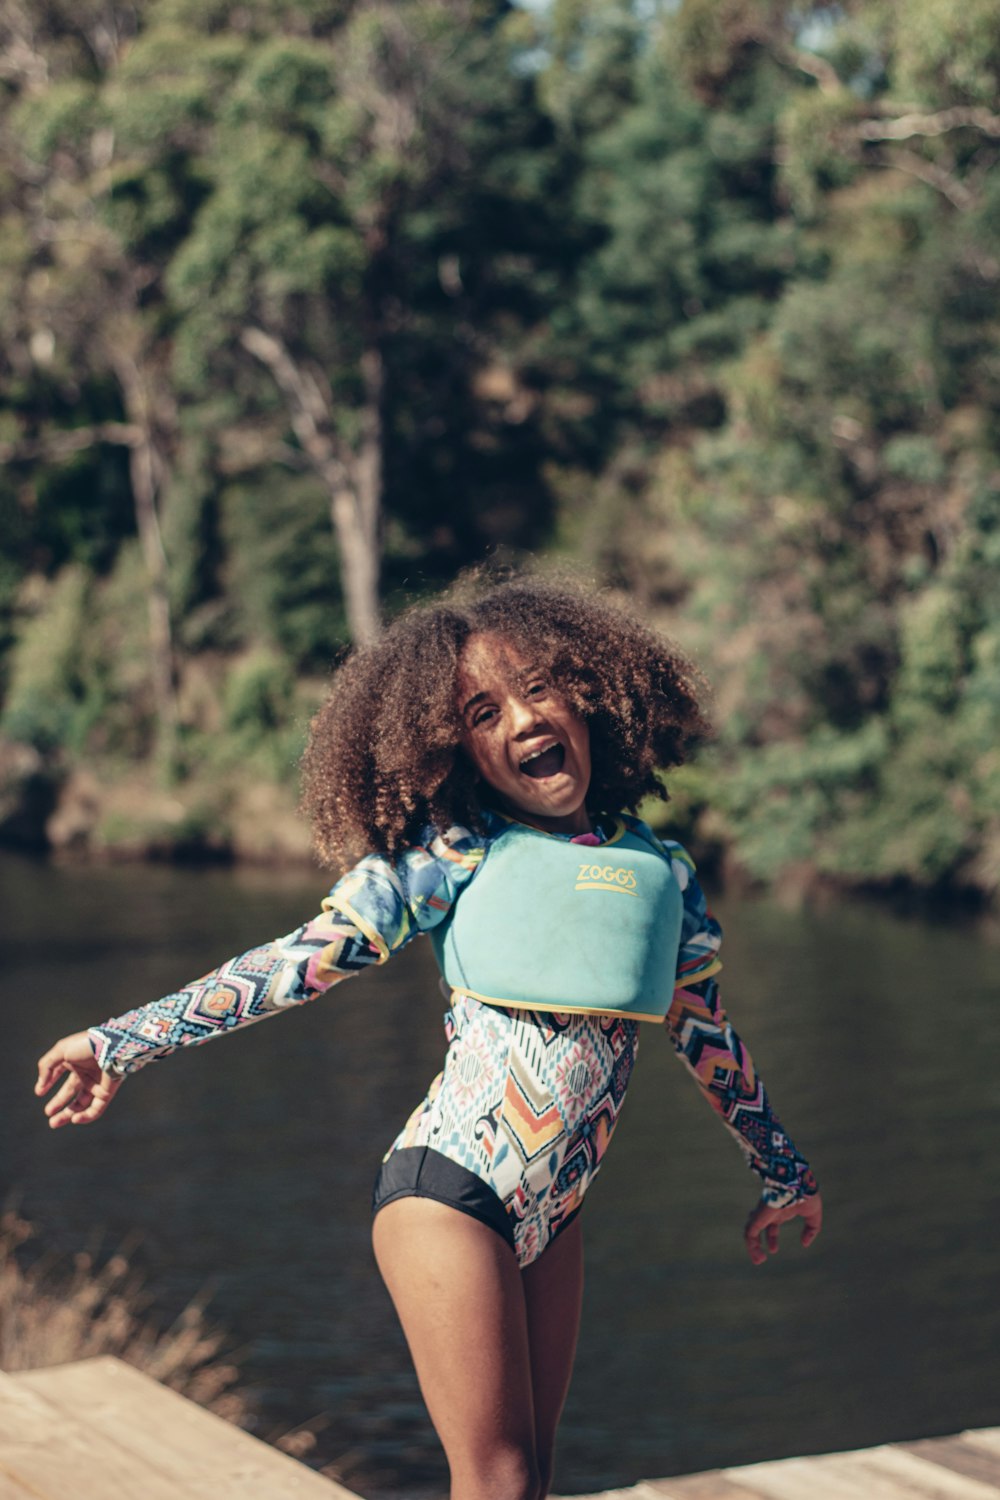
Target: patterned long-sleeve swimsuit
515,1127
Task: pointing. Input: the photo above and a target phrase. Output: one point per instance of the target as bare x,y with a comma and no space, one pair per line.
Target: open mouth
548,763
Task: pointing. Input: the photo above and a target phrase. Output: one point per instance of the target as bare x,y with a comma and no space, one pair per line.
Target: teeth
534,754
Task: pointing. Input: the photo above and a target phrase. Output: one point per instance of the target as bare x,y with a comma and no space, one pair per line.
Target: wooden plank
641,1491
707,1486
102,1428
630,1494
13,1489
52,1455
955,1453
872,1474
599,1495
987,1438
927,1479
174,1439
830,1477
713,1485
964,1467
794,1478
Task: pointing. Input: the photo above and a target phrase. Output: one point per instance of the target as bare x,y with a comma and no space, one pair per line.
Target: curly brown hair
384,757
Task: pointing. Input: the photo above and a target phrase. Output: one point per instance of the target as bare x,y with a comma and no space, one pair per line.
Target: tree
341,159
77,301
842,513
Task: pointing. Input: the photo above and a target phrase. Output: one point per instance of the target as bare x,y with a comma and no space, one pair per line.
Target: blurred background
305,305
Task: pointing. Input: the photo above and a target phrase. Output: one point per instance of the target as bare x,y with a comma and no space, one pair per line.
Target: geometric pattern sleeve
719,1063
372,912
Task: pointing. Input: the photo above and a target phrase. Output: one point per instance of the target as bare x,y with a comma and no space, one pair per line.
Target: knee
509,1474
520,1480
514,1476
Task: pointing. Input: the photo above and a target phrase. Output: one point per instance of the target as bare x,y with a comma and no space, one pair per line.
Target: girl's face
523,737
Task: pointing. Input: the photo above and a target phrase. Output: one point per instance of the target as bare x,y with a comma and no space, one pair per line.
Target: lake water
248,1165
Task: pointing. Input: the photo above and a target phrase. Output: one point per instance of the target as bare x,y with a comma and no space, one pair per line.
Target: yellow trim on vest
699,975
558,1010
603,885
374,937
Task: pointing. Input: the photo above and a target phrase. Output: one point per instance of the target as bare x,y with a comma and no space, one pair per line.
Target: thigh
553,1294
459,1296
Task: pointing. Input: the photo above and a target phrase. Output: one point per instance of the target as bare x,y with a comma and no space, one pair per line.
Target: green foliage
265,713
932,654
591,47
82,511
790,797
946,53
166,91
65,114
282,572
915,456
654,284
47,701
258,694
818,156
79,667
15,547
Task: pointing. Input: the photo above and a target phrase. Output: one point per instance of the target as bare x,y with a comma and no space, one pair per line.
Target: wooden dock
965,1467
101,1430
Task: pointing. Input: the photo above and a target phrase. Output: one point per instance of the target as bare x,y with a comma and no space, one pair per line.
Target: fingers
72,1100
813,1214
51,1066
761,1231
72,1087
67,1115
73,1051
84,1095
81,1108
85,1113
761,1238
752,1232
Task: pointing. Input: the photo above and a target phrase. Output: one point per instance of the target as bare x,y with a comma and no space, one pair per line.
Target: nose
523,714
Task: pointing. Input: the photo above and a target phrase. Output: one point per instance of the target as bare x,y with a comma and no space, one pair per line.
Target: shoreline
95,815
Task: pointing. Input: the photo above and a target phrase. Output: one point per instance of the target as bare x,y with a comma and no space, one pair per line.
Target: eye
537,689
483,716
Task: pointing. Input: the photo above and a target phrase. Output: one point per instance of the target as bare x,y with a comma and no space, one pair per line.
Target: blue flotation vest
551,925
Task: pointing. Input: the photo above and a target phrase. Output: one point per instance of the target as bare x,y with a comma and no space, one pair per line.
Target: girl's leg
461,1300
553,1293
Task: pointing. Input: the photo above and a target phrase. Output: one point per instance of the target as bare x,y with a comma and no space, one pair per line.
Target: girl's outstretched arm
724,1071
289,971
375,910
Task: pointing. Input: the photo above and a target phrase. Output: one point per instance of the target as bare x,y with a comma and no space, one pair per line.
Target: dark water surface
249,1163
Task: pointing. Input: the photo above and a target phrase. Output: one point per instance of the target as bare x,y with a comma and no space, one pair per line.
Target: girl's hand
761,1232
86,1091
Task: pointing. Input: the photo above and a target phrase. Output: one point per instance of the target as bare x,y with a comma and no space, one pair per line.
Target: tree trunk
357,512
353,480
142,466
145,471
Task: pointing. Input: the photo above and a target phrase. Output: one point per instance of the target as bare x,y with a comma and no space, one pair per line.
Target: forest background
307,304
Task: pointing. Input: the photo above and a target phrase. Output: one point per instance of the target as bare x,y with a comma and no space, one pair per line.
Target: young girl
470,772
